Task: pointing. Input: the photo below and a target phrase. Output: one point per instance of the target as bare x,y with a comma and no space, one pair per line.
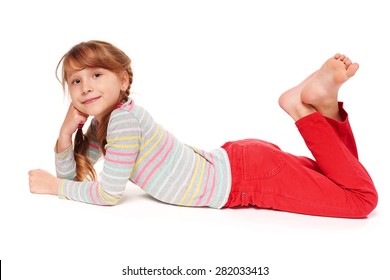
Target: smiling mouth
91,100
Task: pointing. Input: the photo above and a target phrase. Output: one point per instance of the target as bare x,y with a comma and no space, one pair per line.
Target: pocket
261,160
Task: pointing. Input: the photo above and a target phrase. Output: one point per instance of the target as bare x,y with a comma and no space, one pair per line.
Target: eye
97,75
75,82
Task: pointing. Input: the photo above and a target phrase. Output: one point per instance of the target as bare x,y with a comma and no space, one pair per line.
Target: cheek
72,97
75,102
113,90
73,94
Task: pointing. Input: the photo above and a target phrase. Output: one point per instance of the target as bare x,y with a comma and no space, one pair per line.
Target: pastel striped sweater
140,150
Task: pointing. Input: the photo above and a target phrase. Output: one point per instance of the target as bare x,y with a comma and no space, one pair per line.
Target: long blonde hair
97,54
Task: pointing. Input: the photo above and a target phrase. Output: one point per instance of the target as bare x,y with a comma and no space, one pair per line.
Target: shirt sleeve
123,143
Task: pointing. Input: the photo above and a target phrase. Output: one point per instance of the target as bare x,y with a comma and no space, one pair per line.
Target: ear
125,80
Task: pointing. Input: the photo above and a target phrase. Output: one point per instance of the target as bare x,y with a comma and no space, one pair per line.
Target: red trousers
336,184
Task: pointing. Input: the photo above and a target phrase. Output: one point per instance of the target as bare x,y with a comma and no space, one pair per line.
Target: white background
208,71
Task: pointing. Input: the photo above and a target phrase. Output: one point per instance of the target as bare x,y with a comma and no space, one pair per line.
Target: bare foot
290,101
321,91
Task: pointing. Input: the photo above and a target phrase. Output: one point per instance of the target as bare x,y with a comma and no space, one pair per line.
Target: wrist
63,142
54,186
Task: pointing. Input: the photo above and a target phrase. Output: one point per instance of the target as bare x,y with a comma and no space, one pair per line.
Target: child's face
96,91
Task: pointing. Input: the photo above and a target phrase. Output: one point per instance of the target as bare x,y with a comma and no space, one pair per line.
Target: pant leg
344,132
336,184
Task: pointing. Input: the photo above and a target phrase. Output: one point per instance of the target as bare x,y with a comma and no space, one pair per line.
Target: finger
32,172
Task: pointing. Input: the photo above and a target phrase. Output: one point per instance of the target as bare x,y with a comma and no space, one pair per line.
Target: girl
98,76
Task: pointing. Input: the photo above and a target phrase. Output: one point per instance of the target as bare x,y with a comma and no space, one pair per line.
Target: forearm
64,159
96,192
65,164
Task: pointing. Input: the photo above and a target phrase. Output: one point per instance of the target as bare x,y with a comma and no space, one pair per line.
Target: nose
87,88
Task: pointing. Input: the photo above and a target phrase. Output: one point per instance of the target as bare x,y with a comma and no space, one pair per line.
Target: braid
130,73
84,170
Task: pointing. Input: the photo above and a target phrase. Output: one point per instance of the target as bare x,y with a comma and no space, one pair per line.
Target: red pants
336,184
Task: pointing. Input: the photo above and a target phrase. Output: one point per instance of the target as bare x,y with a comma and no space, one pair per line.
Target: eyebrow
91,69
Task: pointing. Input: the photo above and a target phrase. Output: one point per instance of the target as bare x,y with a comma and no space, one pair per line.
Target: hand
74,119
42,182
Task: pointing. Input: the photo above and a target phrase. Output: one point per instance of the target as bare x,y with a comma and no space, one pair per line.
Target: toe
352,68
347,62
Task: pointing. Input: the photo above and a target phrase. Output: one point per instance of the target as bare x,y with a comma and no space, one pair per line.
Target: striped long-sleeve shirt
142,151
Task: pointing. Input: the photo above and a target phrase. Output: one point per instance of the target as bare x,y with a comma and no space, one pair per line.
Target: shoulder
123,110
124,116
130,109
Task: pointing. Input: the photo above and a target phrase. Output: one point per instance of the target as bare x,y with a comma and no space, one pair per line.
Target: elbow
113,202
107,199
